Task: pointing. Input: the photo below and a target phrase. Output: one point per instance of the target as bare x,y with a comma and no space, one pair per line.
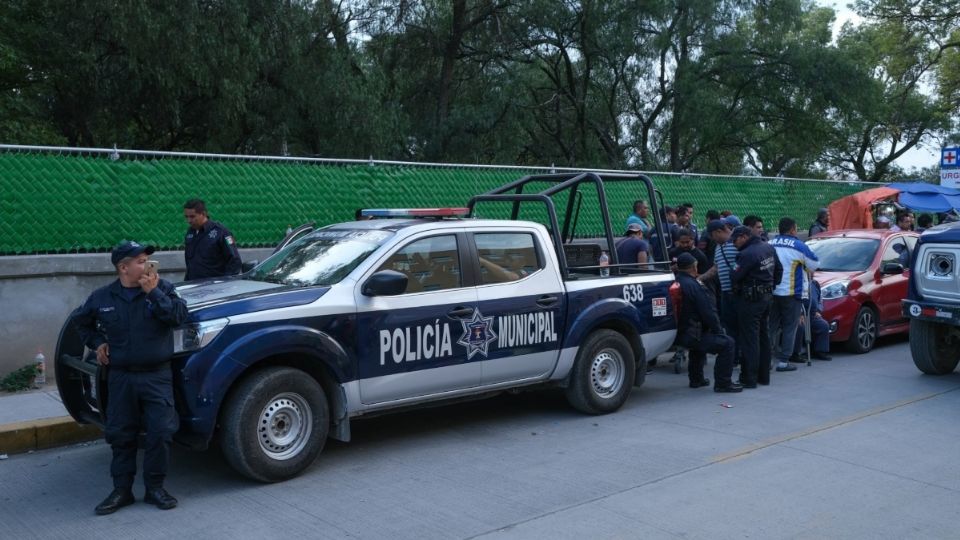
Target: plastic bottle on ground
41,363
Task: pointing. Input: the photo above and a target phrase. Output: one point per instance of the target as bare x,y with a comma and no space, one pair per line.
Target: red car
863,277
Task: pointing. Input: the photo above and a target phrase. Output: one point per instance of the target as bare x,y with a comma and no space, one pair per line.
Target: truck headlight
837,289
195,336
941,266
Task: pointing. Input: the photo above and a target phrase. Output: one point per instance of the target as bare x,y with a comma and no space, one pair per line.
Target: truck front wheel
274,424
602,374
933,350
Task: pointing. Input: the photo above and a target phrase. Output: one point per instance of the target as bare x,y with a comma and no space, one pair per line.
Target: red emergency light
414,212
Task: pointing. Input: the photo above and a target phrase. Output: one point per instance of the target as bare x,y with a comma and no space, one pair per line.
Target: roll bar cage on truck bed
563,237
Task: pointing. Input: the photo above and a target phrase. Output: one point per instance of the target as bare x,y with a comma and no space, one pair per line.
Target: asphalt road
861,447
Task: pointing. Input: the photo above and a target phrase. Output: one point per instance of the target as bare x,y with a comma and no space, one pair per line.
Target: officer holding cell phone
129,323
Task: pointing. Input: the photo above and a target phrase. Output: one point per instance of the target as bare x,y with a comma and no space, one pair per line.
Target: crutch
806,328
807,323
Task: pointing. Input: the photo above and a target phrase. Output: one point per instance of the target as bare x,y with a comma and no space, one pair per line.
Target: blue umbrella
925,197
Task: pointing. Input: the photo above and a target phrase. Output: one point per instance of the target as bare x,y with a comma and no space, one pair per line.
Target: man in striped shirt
724,261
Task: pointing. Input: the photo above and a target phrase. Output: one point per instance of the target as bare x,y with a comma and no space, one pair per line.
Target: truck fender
319,354
615,313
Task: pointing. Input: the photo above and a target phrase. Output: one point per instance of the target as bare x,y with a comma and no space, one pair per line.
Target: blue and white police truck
933,300
413,308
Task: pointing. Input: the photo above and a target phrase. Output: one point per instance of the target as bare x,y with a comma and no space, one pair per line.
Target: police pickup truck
933,300
413,308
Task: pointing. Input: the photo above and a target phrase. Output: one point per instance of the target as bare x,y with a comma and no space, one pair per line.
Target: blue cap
128,249
732,221
740,231
686,260
715,225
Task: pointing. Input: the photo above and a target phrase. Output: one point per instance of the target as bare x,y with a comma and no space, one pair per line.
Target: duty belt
755,292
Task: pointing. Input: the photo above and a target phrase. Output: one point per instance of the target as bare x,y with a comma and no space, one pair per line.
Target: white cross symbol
949,158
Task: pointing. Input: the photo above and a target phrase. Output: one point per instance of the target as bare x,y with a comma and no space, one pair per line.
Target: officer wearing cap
753,278
700,331
129,323
632,248
211,250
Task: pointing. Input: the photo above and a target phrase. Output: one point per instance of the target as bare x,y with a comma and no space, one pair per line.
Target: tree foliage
724,86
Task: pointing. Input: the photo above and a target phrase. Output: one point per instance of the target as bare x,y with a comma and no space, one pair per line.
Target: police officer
129,323
756,271
700,331
211,250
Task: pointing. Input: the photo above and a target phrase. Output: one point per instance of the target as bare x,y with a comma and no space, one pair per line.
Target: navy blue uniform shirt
697,306
757,264
138,327
210,252
629,248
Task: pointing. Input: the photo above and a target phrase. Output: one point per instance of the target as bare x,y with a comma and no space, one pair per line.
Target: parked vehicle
863,278
416,308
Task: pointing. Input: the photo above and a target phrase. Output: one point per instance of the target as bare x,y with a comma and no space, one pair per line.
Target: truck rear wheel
933,350
602,374
274,424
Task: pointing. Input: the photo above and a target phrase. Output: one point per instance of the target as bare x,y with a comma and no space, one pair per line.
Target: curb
20,437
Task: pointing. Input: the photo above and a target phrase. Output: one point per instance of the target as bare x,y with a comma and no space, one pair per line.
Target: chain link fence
64,200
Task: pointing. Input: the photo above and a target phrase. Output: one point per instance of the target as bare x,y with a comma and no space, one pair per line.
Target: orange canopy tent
856,211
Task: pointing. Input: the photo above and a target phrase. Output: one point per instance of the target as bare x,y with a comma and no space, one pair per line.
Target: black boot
117,499
730,388
160,498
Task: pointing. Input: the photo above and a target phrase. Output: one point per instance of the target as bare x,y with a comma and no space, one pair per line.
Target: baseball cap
634,227
686,260
715,225
128,249
740,231
732,221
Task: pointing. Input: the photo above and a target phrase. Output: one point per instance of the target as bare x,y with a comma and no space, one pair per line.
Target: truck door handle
460,312
547,300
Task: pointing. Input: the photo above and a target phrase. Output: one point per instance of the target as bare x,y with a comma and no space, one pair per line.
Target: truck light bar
414,212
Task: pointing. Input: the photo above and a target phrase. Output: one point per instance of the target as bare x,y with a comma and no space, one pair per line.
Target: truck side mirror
891,268
385,283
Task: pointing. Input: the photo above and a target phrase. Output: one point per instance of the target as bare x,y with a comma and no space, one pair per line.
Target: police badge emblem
477,334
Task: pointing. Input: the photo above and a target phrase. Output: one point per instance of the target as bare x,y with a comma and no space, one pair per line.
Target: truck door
521,298
407,345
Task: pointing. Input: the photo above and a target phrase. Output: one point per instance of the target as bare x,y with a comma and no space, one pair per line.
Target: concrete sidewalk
37,419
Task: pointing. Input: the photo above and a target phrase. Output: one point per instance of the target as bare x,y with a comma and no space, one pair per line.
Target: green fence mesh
66,202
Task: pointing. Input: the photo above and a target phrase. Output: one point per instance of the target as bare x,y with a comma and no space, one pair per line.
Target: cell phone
151,267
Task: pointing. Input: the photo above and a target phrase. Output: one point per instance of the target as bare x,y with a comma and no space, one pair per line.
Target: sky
915,157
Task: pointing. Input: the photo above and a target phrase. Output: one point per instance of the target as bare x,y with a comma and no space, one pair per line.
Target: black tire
865,330
602,374
933,351
274,424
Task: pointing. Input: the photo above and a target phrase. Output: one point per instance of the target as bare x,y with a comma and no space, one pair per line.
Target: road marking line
824,427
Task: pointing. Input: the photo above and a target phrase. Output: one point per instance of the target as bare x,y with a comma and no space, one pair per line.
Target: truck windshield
839,254
323,257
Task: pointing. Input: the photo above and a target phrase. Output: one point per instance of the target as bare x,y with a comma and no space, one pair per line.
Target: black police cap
128,249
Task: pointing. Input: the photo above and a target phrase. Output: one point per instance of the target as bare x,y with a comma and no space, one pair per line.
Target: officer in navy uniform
700,331
129,323
757,270
211,250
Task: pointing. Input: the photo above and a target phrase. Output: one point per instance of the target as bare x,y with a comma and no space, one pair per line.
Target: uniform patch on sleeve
229,240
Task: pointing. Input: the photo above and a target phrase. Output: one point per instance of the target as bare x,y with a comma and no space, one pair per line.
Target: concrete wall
37,292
